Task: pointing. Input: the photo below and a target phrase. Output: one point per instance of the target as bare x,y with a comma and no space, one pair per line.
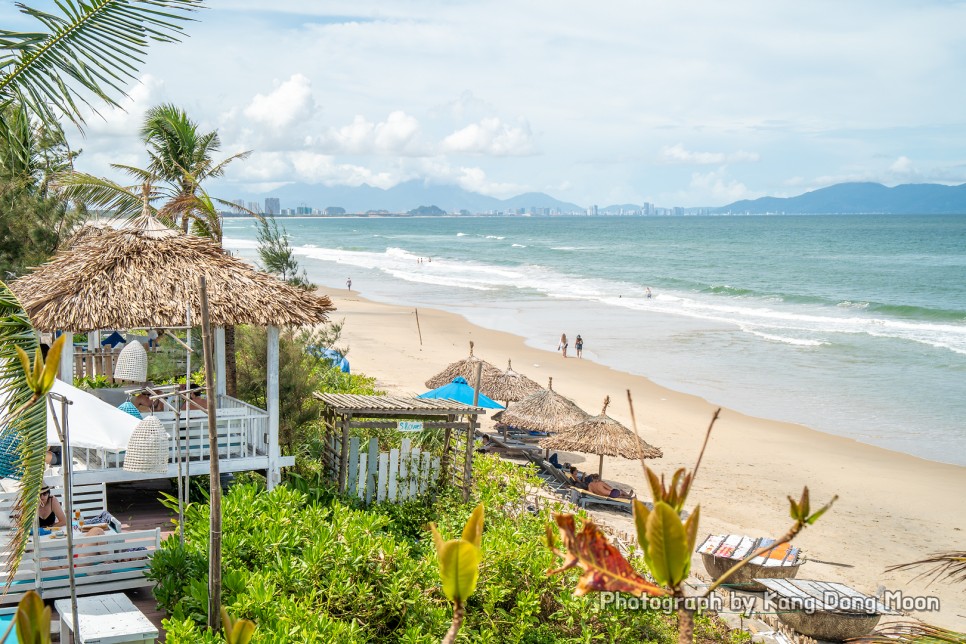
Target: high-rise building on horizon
272,206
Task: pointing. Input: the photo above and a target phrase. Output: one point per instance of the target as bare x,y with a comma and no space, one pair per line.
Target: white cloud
290,103
715,187
491,136
902,166
678,154
397,135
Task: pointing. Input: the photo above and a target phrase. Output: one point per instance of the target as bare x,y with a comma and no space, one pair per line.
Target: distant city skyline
679,104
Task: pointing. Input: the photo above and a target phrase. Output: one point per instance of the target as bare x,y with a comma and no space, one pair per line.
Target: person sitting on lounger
598,487
49,512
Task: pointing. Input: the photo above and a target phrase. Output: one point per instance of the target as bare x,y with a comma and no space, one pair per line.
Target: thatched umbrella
510,386
543,411
145,275
467,369
604,436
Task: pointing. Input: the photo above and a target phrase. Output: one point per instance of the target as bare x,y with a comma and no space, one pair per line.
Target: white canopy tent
94,424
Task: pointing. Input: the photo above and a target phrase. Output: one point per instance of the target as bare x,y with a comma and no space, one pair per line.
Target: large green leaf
668,555
459,568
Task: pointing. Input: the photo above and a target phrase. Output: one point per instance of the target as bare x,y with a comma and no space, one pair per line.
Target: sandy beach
893,508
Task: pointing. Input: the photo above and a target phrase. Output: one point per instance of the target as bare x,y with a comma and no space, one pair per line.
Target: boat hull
744,579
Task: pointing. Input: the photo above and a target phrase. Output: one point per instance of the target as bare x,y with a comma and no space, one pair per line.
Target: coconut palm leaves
23,426
90,47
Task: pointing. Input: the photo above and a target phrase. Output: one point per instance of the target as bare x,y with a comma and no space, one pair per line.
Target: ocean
851,325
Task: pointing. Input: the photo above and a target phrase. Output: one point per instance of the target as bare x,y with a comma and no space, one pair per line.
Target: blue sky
675,103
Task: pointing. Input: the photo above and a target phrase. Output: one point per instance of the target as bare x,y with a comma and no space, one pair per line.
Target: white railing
242,433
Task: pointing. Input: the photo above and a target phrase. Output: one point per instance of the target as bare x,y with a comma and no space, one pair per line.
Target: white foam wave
239,244
494,237
793,324
518,245
461,234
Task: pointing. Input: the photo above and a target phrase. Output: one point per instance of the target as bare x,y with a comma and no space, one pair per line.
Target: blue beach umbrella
460,391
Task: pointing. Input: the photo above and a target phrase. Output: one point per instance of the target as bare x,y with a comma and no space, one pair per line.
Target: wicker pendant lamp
132,363
147,449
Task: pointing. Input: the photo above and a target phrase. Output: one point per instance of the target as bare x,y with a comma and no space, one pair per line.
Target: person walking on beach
647,292
563,344
579,346
348,283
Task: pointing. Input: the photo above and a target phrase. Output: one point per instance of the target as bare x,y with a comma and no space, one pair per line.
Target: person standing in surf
579,346
563,344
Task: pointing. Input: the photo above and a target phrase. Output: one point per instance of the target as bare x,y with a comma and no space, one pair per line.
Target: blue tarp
460,391
114,339
332,355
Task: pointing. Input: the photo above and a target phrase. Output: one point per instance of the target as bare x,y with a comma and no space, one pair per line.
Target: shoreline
893,507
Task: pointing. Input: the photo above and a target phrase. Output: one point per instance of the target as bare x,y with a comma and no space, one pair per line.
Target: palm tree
181,154
87,50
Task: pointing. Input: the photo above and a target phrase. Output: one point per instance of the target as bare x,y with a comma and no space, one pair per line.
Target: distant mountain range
409,196
843,198
863,198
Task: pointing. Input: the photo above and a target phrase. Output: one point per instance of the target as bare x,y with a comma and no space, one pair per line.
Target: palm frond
25,435
100,193
911,632
218,169
93,47
948,565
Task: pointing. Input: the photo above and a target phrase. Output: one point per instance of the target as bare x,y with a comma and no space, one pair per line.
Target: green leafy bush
306,565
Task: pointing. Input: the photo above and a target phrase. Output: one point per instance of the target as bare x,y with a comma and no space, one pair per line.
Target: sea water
852,325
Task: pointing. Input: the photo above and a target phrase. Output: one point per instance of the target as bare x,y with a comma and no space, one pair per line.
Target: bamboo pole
471,436
214,547
417,327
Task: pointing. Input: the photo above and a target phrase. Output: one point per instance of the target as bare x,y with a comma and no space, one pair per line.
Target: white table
104,619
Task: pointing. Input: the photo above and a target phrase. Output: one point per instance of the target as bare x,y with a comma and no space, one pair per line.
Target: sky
696,103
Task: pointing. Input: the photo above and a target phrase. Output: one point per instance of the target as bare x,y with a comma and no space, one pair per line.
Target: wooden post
214,547
417,327
274,454
600,467
471,437
447,446
344,453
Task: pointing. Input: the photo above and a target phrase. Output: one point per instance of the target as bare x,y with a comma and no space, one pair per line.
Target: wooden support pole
344,453
214,547
272,399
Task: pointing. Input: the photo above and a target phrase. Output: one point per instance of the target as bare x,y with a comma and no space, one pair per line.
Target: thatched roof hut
467,369
510,386
543,411
146,275
602,435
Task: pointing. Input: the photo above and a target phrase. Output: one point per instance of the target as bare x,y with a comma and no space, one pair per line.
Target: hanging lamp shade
147,450
128,408
132,363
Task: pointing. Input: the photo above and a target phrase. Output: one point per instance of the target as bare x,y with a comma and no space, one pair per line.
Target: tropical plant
459,567
84,50
319,568
666,541
32,222
90,48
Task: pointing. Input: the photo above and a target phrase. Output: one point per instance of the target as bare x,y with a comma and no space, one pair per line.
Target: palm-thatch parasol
146,274
604,436
510,386
543,411
467,369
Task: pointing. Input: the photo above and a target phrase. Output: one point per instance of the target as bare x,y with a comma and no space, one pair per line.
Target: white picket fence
396,475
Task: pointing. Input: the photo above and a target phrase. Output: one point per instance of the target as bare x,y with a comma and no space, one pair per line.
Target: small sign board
410,426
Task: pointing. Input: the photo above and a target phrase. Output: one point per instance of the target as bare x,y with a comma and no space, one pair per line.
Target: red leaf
603,565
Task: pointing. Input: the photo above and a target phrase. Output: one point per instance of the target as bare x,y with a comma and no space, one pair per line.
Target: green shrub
306,565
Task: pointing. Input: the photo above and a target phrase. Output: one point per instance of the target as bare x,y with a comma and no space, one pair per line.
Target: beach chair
509,447
583,498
